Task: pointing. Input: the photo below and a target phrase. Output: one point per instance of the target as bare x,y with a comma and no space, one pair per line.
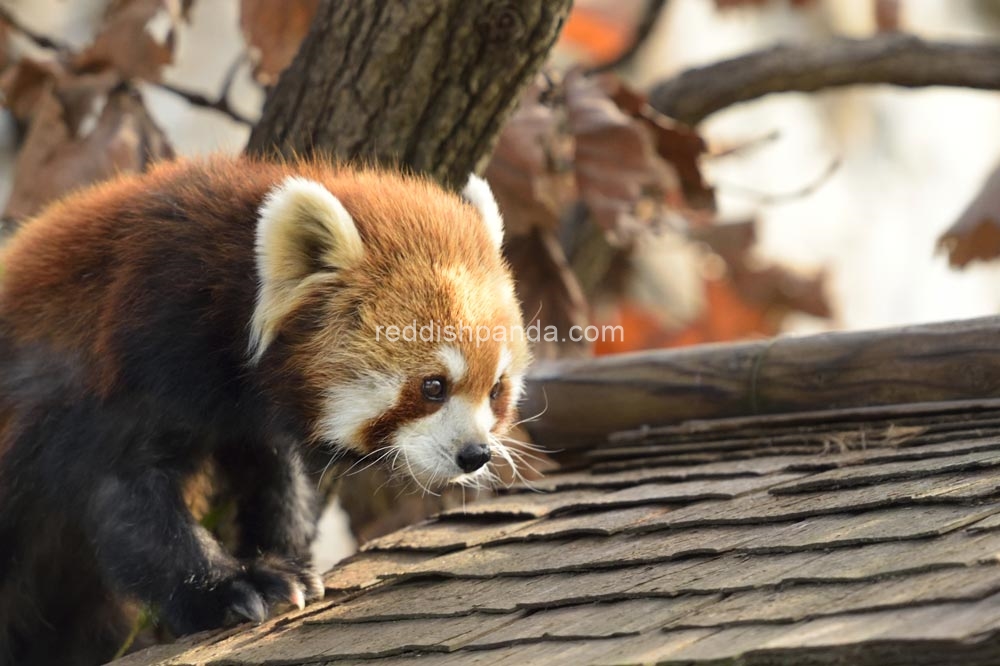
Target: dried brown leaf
24,83
136,39
5,50
676,142
770,288
65,150
622,180
976,233
274,31
549,292
888,15
530,170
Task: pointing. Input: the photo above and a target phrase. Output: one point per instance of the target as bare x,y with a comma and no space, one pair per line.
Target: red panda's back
102,258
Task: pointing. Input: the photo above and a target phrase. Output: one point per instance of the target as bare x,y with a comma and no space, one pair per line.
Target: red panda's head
394,306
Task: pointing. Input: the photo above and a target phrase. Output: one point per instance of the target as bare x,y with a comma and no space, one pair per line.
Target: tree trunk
424,84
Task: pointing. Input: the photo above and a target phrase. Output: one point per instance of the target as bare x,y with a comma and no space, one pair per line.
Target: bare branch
894,59
769,198
38,38
746,146
221,104
197,99
642,32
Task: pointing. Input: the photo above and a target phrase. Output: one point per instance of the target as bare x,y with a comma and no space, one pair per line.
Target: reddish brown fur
71,274
127,316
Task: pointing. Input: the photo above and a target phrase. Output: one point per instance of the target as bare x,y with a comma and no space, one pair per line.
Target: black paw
284,582
248,593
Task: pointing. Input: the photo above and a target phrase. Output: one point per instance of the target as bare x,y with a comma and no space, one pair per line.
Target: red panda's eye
434,389
495,391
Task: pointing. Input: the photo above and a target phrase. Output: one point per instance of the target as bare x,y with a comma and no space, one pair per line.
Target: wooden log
583,401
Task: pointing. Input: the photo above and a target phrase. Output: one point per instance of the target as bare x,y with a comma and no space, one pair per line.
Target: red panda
230,310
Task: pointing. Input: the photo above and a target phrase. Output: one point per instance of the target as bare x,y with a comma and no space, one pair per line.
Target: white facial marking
516,388
477,192
506,358
348,408
454,362
430,444
516,382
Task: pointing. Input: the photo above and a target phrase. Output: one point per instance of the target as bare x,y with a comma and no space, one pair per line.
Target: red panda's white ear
478,193
303,231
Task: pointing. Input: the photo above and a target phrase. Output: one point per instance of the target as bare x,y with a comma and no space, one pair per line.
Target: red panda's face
414,352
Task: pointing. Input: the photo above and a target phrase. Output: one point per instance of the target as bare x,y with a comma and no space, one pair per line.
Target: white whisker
425,489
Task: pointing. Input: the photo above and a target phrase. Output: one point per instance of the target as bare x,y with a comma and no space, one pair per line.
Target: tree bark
892,58
425,85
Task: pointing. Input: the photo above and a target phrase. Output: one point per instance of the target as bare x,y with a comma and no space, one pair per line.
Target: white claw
298,597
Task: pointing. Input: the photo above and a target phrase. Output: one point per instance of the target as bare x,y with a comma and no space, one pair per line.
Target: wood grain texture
584,401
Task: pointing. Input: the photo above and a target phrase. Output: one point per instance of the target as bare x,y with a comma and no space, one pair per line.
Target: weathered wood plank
453,597
304,643
827,452
837,637
535,505
832,438
438,536
590,553
565,619
659,469
849,477
586,400
765,507
796,603
652,473
367,569
593,620
737,571
935,416
989,523
554,653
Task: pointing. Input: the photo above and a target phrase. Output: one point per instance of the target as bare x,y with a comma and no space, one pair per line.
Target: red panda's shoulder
59,268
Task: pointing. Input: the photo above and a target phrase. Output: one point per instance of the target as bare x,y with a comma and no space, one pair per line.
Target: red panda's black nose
472,456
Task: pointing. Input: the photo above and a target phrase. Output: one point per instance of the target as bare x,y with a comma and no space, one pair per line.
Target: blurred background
844,208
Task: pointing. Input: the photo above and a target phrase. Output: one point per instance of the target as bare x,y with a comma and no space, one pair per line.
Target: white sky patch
89,122
454,362
506,358
160,26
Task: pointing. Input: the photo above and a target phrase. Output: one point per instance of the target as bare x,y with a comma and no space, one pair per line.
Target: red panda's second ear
478,193
302,231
